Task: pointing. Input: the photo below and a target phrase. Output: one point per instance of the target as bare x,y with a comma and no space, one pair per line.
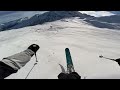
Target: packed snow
85,42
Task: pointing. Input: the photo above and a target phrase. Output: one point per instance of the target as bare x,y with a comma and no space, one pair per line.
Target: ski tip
66,49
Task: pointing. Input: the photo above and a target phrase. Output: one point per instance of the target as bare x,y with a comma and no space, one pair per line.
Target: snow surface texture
85,42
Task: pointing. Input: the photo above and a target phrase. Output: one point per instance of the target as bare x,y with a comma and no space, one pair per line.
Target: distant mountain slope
115,12
7,16
110,22
99,13
42,18
6,12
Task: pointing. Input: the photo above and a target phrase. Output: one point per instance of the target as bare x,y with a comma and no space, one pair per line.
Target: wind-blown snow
85,42
97,13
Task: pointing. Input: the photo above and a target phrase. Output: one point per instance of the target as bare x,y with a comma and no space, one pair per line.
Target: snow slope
85,42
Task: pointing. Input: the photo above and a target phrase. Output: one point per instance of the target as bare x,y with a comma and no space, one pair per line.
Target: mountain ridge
110,22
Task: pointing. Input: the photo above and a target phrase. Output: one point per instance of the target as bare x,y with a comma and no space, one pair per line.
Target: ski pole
32,67
62,68
106,58
36,58
30,70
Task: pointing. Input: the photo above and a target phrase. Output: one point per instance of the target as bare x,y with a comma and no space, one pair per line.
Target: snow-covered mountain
101,13
98,13
106,21
6,12
7,16
42,18
115,12
110,22
53,32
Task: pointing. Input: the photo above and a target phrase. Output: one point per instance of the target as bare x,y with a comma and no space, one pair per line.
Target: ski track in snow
85,42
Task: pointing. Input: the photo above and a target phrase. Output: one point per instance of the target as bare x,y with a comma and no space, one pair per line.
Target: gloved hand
118,61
